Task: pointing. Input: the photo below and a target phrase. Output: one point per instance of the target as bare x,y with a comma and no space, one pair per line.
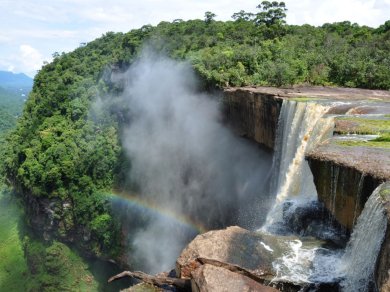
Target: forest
61,149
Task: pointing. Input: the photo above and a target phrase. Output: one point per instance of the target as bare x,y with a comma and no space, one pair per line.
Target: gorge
124,158
283,175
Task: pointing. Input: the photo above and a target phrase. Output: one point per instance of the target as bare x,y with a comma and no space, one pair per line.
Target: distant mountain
19,83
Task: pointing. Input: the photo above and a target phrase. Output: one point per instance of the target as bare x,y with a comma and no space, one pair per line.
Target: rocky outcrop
210,278
247,254
252,114
344,179
383,265
53,218
233,245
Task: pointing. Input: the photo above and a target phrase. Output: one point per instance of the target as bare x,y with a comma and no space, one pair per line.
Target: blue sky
33,30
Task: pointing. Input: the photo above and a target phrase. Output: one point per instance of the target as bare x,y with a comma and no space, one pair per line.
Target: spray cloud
184,159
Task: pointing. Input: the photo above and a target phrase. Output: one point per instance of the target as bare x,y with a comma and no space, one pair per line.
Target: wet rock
210,278
313,219
345,178
233,245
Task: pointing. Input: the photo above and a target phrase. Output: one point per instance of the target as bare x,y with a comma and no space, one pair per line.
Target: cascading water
358,261
300,128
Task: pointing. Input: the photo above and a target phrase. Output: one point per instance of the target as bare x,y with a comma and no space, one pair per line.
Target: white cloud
364,12
11,68
30,58
27,60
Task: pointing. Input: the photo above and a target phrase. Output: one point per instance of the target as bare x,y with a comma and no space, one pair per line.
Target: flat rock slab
336,93
210,278
369,160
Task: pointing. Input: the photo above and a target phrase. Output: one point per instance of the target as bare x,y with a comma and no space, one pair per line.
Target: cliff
346,169
345,177
344,174
252,114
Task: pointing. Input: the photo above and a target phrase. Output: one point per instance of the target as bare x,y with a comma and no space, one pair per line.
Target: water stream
301,127
358,261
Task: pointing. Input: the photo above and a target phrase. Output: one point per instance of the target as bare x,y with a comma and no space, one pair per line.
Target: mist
185,160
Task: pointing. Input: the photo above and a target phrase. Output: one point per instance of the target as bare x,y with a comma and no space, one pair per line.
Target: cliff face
345,177
343,189
252,114
54,219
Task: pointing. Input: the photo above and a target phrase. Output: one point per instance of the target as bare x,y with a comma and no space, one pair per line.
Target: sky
33,30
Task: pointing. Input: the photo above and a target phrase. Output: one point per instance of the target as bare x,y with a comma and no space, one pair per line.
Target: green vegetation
29,265
56,268
361,125
365,126
371,143
304,99
385,192
11,106
12,263
65,151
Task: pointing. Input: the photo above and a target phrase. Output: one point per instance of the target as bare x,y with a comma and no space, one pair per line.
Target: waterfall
300,128
359,259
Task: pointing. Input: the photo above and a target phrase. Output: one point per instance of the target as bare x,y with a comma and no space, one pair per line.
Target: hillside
63,153
14,89
11,105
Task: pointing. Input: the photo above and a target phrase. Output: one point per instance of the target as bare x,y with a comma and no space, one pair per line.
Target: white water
358,261
300,129
307,264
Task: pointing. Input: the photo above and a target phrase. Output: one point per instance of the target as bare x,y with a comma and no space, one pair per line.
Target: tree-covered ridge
62,149
57,151
11,106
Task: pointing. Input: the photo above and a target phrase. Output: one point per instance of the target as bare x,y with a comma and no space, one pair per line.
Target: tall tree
209,16
271,13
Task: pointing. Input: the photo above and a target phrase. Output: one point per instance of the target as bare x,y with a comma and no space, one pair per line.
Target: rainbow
156,209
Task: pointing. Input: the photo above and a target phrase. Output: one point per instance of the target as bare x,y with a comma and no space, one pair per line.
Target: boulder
233,245
211,278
